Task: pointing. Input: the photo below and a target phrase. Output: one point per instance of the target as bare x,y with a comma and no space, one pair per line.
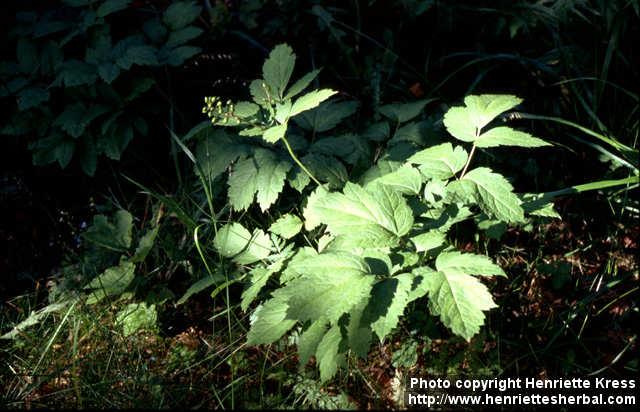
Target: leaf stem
298,162
466,166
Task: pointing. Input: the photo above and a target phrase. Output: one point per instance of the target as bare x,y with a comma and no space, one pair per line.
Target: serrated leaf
291,271
115,235
414,132
298,179
274,133
272,172
277,69
287,226
382,168
464,123
327,169
330,284
459,300
406,180
217,151
378,132
443,218
111,6
327,116
359,333
467,263
76,73
506,136
494,195
389,298
301,84
155,30
327,353
64,152
180,13
243,183
427,241
310,339
259,278
108,72
310,101
234,241
402,112
245,110
441,161
486,107
142,55
349,147
269,322
180,54
182,36
259,94
111,282
377,218
31,97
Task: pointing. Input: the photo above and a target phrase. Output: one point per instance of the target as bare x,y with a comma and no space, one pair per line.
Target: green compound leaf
484,108
272,172
402,112
111,282
259,278
32,97
327,169
440,162
378,218
467,263
495,195
287,226
406,180
182,36
269,322
243,183
427,241
234,241
330,284
389,297
301,84
310,101
310,339
326,116
264,174
277,69
327,354
464,123
506,136
359,333
111,6
114,235
216,152
459,300
180,13
275,133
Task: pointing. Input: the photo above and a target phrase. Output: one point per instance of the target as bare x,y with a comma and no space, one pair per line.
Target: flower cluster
217,111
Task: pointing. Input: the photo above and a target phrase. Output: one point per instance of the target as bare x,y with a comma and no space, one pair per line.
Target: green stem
298,162
466,166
